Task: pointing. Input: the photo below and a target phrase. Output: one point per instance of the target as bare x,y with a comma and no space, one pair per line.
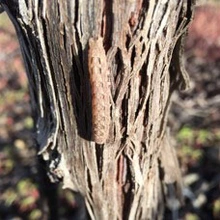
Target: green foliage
28,123
185,134
25,187
9,196
4,21
203,136
195,154
68,197
191,216
6,161
216,208
190,135
10,97
191,143
35,214
25,195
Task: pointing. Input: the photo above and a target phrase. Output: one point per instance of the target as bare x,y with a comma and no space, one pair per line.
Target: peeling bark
127,177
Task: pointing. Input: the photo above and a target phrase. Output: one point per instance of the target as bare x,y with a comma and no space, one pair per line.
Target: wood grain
100,91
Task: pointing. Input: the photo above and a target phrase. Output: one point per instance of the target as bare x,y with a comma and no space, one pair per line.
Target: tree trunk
101,74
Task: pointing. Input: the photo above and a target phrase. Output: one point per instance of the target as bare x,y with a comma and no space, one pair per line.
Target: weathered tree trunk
101,75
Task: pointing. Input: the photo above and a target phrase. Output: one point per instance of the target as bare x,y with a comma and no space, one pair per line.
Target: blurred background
194,123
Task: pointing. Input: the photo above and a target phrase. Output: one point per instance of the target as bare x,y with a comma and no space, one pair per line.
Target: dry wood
128,176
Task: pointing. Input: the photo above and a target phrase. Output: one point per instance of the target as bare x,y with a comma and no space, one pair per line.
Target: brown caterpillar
100,100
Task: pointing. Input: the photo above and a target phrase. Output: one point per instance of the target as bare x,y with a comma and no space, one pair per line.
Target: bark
126,169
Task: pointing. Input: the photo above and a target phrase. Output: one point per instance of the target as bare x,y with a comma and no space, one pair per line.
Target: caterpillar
100,91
